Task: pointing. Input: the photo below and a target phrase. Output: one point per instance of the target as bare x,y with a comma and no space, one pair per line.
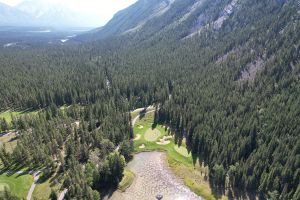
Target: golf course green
17,184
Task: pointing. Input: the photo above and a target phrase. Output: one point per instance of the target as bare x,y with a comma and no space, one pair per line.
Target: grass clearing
200,189
17,184
46,185
3,186
42,191
7,115
127,180
10,141
182,150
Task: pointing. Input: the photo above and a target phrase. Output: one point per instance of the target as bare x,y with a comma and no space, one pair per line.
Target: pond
154,177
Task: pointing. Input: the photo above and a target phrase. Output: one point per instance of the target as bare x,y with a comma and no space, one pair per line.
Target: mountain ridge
12,16
152,17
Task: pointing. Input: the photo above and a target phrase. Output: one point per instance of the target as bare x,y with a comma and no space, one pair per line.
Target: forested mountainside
225,75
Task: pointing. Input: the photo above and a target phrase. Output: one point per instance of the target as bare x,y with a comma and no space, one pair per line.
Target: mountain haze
10,16
49,13
44,13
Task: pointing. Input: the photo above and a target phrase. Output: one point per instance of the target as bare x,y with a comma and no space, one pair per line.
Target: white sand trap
137,137
141,127
165,140
142,146
76,124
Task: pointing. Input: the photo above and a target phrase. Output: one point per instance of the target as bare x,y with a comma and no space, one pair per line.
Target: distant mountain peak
43,13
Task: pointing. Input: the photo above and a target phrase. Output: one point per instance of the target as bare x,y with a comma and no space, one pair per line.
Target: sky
104,9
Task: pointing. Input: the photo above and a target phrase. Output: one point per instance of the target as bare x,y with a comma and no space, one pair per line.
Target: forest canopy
232,93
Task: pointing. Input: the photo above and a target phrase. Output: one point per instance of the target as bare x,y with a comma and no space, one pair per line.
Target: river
153,177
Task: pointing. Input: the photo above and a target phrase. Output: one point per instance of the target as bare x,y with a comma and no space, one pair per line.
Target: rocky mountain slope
180,19
151,18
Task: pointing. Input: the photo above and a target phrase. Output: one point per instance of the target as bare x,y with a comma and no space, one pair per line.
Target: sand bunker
165,140
168,137
76,124
142,146
137,137
141,127
152,135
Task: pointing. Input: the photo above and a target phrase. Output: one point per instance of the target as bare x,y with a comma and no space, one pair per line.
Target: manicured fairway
9,140
42,191
17,184
3,186
182,150
7,115
150,137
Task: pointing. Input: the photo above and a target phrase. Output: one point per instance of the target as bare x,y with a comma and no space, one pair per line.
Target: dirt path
150,108
153,177
36,177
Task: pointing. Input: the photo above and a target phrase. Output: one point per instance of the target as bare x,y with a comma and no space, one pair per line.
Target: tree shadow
26,111
233,193
13,139
154,125
44,177
142,113
107,193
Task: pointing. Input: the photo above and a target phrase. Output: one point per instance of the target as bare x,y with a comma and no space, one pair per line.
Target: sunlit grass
7,115
17,184
9,141
127,180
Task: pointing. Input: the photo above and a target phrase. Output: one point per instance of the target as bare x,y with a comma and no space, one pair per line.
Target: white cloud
11,2
103,9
